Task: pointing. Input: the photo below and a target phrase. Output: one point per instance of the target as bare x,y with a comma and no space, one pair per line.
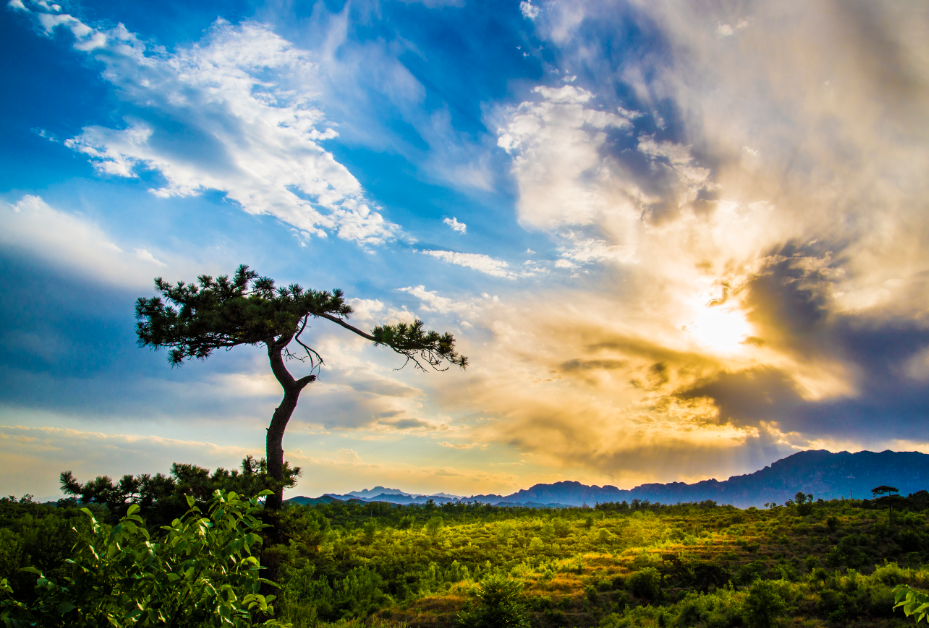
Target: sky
675,239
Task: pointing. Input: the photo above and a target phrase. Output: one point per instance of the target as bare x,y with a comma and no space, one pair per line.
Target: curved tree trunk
274,450
274,445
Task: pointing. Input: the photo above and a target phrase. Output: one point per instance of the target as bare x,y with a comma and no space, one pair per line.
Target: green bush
202,573
496,604
763,605
645,583
591,592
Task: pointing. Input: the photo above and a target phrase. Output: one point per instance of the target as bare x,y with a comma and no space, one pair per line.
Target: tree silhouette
883,490
888,496
196,319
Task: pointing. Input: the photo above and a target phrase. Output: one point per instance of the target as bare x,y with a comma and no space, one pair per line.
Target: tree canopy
195,319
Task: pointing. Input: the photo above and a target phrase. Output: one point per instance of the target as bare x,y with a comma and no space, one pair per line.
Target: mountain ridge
821,473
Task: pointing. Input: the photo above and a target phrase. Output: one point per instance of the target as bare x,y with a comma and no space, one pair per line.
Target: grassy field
647,565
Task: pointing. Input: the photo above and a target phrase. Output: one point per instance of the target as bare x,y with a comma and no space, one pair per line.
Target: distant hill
303,501
824,474
368,493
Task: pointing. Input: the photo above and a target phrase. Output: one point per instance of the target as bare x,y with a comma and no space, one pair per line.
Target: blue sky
676,241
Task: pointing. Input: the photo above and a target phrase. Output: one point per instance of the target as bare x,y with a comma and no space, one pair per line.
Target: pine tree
196,319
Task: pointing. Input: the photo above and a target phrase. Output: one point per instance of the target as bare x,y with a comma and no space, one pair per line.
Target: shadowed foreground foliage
199,572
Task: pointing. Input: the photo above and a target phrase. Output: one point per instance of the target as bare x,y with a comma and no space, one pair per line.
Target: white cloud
365,309
245,97
476,261
74,243
145,256
374,312
460,227
556,143
432,302
589,250
727,30
529,12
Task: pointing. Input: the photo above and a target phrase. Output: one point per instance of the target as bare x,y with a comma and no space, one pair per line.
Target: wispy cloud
529,11
476,261
462,445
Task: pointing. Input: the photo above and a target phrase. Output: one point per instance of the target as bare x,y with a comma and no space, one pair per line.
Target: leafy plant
912,602
201,573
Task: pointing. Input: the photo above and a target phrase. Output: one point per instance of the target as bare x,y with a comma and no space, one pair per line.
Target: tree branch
339,321
304,381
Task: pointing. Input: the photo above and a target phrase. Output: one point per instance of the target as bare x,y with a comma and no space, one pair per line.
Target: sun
720,329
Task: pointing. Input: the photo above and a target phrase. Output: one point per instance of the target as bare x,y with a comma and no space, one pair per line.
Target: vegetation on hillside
808,563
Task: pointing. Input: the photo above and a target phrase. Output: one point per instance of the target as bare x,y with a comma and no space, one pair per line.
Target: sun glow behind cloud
720,329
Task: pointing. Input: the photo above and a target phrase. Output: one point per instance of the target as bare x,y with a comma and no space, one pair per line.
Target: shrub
496,605
591,592
645,583
909,541
763,605
889,573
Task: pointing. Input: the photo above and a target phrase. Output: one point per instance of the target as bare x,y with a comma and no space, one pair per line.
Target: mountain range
823,474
